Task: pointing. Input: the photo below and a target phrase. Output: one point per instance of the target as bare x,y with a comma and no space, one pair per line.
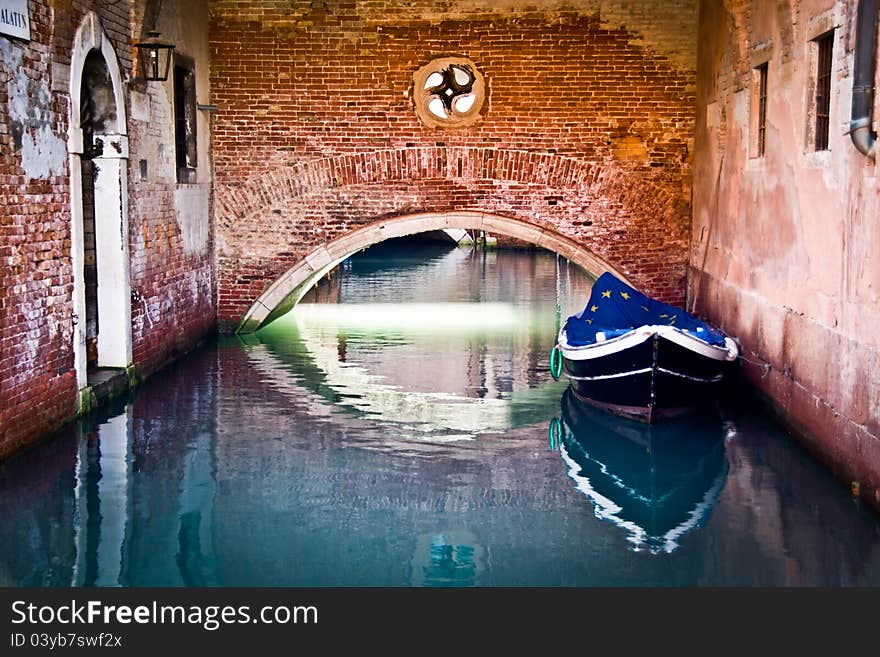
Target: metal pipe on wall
864,68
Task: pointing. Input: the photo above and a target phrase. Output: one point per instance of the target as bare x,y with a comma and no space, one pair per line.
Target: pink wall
784,246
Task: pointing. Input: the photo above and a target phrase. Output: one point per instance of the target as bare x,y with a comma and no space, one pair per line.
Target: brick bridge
291,225
583,140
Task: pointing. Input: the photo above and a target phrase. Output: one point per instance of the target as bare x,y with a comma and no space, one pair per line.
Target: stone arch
108,153
290,287
633,217
91,37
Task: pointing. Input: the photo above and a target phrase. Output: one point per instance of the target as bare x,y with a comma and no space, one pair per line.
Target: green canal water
400,428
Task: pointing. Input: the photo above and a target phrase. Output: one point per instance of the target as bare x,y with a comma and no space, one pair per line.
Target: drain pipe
863,78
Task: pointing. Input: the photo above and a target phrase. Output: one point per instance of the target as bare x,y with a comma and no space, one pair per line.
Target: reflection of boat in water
657,482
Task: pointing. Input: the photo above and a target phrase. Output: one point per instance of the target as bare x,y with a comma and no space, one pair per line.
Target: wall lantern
154,57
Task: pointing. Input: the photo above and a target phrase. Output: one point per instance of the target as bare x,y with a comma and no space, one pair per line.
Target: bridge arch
292,285
630,216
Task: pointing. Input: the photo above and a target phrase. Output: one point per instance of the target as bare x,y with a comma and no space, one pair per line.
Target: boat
637,357
655,482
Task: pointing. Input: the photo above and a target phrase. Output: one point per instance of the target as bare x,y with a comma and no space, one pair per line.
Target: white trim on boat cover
639,335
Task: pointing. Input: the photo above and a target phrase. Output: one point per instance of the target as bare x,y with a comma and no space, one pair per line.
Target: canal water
400,428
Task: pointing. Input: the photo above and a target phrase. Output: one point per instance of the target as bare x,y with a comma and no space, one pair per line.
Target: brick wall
38,383
587,129
172,265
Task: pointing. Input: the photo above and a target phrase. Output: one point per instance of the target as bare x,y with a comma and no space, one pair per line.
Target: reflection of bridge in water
365,358
308,356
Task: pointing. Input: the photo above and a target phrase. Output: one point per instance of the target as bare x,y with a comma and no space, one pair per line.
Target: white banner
14,19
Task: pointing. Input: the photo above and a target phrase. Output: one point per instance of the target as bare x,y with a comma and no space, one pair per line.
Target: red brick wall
586,130
38,388
37,381
176,284
177,289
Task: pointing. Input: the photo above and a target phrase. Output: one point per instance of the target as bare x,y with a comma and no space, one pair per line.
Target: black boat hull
649,381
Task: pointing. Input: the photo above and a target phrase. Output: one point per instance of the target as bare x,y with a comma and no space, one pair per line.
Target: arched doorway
98,152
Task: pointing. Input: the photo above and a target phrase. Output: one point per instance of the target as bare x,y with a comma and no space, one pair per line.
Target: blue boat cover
615,309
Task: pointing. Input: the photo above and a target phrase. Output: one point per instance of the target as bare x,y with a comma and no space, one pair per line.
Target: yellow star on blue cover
614,315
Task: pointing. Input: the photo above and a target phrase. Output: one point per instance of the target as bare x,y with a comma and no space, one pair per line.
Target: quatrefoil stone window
449,93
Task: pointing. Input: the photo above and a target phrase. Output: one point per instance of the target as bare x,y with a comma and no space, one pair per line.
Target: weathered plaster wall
29,103
784,246
171,264
587,129
172,258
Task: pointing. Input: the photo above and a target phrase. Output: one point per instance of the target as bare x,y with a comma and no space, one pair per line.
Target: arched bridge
280,230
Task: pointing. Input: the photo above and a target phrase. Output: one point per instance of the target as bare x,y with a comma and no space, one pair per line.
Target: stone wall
784,245
586,131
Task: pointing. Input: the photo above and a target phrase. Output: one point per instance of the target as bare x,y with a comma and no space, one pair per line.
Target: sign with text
14,19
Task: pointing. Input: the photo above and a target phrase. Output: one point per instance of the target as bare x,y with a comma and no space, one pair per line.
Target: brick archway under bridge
277,225
291,286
